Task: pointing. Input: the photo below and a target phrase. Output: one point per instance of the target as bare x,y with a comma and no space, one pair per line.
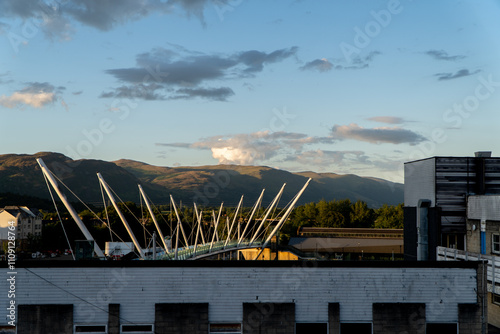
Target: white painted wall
420,181
483,207
227,288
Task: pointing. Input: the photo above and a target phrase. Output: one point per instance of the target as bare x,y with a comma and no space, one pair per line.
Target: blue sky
329,86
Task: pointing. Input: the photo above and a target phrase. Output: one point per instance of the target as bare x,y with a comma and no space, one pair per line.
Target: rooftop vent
482,154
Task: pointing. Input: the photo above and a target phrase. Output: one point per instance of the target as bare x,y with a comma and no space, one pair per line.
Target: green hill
206,185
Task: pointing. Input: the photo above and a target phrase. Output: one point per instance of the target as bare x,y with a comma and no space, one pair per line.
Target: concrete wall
114,319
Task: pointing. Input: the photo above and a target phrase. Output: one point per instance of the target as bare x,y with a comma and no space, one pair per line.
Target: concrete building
245,297
435,197
483,243
27,222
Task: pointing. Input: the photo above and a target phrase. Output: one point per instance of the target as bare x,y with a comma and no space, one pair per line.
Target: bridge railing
186,253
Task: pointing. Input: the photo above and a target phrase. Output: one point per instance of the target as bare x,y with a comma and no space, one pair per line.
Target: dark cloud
458,74
56,18
255,60
78,93
42,87
216,94
138,91
183,71
320,65
393,135
443,55
5,78
356,63
178,145
387,119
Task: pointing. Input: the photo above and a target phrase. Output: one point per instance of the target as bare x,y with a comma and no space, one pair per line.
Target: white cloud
36,100
35,94
240,156
256,147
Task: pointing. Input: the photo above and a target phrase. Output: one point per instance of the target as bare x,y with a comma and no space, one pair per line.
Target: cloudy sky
329,86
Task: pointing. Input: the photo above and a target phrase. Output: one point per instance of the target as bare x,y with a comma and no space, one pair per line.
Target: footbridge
234,234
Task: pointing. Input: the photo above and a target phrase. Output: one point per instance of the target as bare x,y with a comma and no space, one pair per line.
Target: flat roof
244,264
348,245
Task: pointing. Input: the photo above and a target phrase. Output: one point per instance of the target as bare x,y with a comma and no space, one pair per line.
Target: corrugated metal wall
227,288
447,181
455,179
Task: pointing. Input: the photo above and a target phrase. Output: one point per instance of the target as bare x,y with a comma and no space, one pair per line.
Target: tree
389,216
361,215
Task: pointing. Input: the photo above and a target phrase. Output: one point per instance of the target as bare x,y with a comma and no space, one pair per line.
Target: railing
492,264
189,252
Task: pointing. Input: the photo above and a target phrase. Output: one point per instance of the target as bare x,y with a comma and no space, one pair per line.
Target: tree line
335,213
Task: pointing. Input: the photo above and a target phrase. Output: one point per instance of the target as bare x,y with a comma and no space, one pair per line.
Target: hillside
207,185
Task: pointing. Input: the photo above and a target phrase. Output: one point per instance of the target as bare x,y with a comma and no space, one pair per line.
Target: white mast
275,200
199,217
122,217
259,200
283,219
216,234
179,226
68,206
234,219
154,218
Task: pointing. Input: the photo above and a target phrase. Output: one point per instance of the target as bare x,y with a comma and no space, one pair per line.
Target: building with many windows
435,196
26,221
483,243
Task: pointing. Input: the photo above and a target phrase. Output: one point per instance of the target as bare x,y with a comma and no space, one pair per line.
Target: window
441,328
225,328
495,243
355,328
495,299
137,329
93,329
307,328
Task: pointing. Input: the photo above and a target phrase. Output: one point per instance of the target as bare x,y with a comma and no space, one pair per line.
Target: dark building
435,196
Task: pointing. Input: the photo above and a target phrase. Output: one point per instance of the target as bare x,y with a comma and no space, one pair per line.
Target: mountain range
205,185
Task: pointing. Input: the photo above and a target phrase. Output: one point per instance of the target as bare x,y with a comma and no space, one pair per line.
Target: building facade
435,197
246,297
26,222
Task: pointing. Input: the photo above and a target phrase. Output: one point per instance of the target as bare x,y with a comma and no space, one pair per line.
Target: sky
347,87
